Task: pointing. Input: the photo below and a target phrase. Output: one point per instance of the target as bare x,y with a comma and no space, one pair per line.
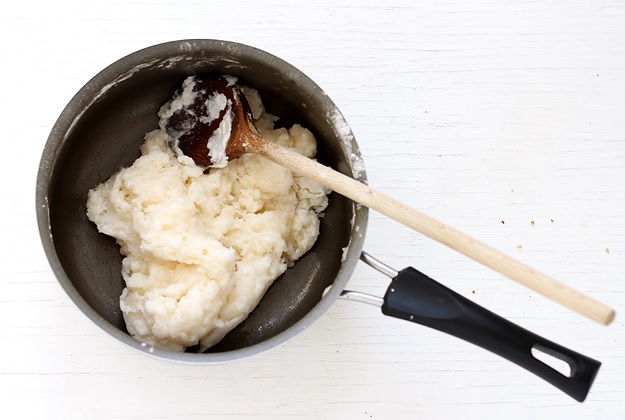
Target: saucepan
100,131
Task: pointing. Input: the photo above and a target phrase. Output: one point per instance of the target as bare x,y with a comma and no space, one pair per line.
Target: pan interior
105,137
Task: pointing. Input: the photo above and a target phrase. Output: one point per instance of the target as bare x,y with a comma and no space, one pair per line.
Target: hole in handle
553,359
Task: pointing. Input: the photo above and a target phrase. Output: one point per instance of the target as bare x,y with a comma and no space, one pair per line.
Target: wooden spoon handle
438,231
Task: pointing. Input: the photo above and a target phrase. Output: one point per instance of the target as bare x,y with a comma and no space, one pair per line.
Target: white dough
201,249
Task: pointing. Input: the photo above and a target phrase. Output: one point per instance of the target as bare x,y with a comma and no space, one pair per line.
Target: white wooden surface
488,115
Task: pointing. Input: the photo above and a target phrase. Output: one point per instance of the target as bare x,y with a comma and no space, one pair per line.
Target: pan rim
98,85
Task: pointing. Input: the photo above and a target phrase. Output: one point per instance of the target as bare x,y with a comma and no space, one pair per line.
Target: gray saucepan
100,131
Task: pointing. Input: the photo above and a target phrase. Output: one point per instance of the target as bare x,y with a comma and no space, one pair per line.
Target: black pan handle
415,297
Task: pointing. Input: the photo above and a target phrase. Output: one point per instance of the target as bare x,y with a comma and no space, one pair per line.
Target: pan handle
415,297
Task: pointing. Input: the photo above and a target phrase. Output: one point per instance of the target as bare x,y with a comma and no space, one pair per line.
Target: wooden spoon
198,127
